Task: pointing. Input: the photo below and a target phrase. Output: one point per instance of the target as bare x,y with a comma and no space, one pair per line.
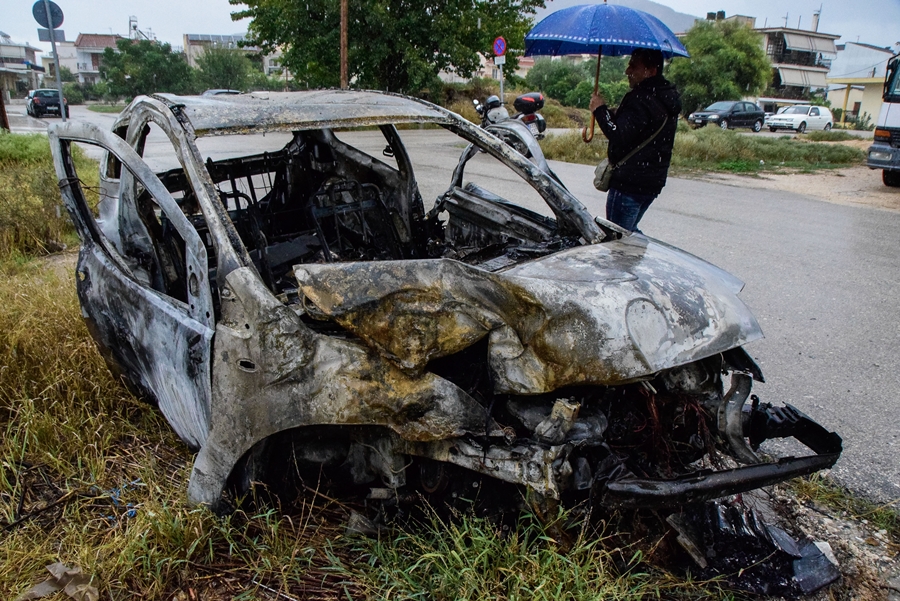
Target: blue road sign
499,46
39,10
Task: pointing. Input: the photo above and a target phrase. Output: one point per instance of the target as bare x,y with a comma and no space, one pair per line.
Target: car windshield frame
797,110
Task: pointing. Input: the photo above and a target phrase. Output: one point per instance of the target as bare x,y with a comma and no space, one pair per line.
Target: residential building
68,58
856,79
195,44
19,71
800,60
89,48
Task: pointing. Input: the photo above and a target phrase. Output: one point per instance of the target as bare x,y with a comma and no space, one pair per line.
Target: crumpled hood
598,314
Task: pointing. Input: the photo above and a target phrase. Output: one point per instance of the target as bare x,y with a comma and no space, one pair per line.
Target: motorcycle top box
529,103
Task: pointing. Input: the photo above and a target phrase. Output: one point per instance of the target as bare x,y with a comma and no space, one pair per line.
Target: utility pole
345,79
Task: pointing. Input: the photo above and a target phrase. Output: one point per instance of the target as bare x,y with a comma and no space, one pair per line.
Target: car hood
598,314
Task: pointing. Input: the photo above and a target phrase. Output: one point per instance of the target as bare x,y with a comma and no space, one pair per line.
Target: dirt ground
857,186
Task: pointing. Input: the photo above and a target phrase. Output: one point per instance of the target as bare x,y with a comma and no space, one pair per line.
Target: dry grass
32,218
94,478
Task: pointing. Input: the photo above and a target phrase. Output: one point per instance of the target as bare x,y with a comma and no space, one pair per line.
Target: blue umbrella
609,29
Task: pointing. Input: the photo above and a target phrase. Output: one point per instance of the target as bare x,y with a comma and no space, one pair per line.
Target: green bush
32,218
73,94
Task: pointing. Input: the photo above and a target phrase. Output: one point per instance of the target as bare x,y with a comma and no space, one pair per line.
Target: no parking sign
499,46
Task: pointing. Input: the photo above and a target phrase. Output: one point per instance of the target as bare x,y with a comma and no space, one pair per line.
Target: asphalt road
823,280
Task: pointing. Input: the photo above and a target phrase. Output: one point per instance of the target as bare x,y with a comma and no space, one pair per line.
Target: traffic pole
62,102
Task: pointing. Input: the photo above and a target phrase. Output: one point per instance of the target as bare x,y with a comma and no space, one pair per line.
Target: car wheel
757,125
827,126
773,129
801,128
890,178
723,123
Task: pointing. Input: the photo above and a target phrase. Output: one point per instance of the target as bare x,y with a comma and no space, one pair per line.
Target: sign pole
62,102
500,60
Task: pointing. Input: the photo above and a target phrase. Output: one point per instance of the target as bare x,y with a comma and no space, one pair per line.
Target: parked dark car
43,102
729,114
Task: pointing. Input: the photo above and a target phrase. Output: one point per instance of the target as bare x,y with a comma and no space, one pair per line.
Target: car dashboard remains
300,314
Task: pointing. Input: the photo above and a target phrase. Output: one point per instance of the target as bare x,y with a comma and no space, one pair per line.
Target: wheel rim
802,128
757,126
724,124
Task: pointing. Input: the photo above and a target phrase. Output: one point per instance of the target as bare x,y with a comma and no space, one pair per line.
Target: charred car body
302,309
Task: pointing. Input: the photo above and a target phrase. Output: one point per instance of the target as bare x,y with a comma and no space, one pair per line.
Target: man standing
651,102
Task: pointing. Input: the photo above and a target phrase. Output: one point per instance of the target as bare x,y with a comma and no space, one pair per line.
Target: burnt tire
757,125
723,123
801,128
890,178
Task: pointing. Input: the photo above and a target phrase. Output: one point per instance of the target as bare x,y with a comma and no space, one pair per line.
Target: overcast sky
870,21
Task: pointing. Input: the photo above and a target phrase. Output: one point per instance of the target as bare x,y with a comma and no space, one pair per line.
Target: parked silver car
300,313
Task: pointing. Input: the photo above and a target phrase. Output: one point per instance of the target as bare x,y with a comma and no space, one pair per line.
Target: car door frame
160,344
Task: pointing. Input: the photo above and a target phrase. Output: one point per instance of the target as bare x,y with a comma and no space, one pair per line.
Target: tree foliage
223,68
145,67
395,45
727,63
572,84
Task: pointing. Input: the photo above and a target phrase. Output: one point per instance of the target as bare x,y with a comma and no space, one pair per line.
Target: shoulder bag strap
642,144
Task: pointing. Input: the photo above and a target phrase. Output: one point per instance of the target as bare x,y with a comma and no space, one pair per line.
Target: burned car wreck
302,309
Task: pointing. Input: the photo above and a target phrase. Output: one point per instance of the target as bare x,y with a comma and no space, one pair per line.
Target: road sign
499,60
40,14
499,46
44,35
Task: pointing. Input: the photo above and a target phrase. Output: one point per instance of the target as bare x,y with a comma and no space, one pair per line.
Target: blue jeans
626,209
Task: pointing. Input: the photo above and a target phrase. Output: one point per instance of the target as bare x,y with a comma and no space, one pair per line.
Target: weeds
32,218
471,558
822,490
712,149
830,136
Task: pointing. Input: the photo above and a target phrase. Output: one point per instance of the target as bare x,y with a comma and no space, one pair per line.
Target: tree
727,63
394,45
145,67
572,84
223,68
66,75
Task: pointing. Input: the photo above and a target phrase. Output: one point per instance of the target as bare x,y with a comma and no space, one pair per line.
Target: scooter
522,130
527,107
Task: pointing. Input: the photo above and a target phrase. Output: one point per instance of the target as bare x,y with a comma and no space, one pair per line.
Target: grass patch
106,108
822,490
830,136
711,149
32,218
471,558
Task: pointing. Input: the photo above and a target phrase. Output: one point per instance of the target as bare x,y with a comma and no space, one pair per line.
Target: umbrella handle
588,135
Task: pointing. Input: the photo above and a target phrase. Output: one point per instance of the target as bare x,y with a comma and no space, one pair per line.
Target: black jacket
640,113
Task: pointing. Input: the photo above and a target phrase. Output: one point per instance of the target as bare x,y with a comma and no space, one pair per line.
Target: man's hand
597,100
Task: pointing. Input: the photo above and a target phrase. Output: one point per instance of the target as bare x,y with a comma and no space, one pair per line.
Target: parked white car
800,118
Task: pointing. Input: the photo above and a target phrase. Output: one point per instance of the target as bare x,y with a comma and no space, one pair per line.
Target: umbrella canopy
607,29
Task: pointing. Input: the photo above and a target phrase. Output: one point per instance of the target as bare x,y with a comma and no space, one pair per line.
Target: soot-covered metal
301,312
